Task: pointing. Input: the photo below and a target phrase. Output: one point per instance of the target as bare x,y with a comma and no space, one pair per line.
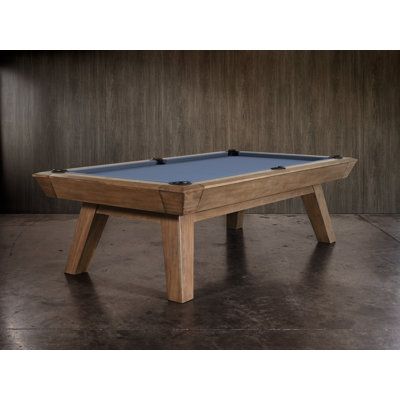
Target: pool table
179,191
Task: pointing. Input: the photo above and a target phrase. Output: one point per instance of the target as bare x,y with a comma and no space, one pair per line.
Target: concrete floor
268,287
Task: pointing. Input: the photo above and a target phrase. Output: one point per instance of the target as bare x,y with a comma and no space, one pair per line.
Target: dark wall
66,109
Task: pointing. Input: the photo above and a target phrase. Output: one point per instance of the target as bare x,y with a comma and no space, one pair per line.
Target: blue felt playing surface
197,169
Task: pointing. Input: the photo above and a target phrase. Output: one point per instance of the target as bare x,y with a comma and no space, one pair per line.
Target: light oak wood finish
207,214
88,231
318,214
235,220
178,234
139,195
107,191
239,189
42,178
132,214
181,200
177,208
231,208
178,243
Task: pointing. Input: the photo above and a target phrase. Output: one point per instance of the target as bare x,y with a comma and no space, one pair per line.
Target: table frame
178,208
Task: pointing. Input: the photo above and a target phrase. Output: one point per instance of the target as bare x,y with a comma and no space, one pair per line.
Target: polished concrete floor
269,286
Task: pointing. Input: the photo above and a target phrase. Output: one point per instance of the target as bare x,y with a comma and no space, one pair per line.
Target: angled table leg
87,234
318,214
178,242
235,220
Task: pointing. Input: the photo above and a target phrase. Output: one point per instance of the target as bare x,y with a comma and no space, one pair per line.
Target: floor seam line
11,252
201,330
378,227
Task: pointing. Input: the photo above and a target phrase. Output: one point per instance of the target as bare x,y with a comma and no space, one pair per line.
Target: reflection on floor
269,286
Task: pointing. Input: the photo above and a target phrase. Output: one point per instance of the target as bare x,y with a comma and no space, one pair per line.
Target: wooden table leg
178,242
235,220
318,214
87,234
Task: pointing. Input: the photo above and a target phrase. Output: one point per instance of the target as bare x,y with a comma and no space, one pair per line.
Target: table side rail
182,200
237,191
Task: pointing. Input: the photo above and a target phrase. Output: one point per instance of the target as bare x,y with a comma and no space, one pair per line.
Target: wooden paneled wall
66,109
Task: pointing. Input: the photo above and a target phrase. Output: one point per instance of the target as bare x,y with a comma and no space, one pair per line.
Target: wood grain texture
52,116
89,228
178,244
318,214
270,183
180,200
132,214
381,128
112,192
65,109
246,205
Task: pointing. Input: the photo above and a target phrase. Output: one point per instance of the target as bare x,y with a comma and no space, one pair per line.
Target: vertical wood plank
318,214
178,243
65,109
314,103
52,116
380,163
89,228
